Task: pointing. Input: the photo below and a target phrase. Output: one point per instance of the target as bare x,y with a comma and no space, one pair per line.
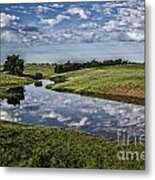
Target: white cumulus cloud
110,25
89,25
42,9
7,19
78,11
136,35
56,5
52,22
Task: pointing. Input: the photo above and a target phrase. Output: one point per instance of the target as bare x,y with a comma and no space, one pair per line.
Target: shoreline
120,83
110,97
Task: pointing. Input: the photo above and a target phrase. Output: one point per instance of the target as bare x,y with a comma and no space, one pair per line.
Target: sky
76,31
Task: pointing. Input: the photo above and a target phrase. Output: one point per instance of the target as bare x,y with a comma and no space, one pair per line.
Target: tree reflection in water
15,95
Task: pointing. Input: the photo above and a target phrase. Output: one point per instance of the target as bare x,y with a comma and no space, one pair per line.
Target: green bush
38,75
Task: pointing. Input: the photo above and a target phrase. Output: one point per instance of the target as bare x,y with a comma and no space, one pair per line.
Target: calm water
39,105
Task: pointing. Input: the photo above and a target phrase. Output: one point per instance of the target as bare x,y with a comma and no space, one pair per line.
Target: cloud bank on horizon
74,30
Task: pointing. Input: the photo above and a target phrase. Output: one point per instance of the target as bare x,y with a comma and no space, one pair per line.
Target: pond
38,105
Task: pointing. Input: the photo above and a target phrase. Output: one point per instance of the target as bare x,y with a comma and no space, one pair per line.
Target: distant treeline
71,66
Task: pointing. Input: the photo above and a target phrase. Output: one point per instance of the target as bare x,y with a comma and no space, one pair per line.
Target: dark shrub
58,79
15,95
38,76
38,83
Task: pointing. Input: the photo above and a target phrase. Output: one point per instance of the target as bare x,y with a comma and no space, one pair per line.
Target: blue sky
79,31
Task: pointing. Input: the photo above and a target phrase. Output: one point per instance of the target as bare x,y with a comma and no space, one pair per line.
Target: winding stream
91,115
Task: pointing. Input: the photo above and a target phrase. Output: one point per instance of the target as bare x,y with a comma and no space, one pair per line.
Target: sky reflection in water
91,115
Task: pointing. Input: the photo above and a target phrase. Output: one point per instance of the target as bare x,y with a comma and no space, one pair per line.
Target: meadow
34,146
122,83
46,69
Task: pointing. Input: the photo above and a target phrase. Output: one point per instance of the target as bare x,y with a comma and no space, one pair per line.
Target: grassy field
34,146
46,69
122,83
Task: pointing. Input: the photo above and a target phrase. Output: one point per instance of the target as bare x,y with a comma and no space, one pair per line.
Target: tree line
15,65
71,66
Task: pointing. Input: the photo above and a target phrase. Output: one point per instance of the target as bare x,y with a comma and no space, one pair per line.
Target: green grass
34,146
12,80
8,81
122,83
45,69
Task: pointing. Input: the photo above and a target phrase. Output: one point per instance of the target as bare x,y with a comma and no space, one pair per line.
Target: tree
59,68
14,65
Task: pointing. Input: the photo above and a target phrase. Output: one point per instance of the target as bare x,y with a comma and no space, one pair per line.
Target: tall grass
124,83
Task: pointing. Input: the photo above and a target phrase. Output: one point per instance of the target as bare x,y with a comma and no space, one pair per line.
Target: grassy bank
122,83
33,146
7,81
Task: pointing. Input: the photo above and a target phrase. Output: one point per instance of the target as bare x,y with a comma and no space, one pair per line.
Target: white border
68,174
